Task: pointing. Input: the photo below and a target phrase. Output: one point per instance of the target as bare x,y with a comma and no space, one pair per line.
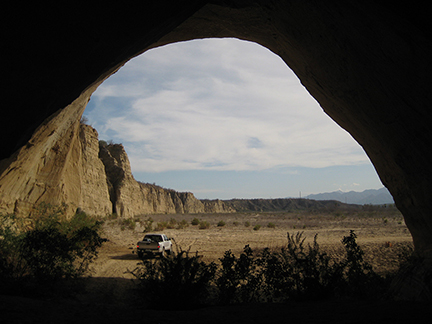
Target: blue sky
225,118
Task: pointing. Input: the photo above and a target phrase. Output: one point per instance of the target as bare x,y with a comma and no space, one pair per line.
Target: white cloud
217,105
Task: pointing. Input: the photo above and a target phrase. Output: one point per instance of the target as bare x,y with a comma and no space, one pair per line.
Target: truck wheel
140,255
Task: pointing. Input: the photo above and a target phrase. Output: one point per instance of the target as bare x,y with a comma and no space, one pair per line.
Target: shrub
160,226
147,224
247,224
359,276
183,224
46,246
127,223
257,227
182,279
172,223
299,271
221,223
204,225
296,272
238,279
195,221
271,225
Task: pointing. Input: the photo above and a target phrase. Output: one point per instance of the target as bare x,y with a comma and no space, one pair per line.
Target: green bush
46,246
195,221
183,224
238,279
271,225
257,227
147,224
221,223
296,272
360,279
127,223
172,223
178,281
204,225
160,226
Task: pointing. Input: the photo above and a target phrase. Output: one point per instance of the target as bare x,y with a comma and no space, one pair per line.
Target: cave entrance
225,118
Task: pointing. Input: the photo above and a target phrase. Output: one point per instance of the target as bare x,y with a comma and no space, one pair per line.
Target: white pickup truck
153,244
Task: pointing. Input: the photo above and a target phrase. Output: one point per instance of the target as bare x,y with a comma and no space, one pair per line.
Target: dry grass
381,233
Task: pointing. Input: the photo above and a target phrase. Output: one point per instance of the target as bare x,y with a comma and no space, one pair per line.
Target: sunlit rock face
367,65
131,198
58,165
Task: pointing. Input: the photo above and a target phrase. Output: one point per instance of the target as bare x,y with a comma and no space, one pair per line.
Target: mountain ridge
370,196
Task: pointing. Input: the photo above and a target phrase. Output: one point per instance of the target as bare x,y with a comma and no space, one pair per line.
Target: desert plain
381,233
109,294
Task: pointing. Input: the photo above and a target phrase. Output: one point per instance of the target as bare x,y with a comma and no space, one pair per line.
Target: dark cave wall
368,66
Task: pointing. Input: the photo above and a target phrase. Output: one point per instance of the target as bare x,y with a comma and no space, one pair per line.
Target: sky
224,118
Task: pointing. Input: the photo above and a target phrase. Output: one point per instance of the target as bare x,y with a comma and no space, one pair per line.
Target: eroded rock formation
130,197
72,167
59,164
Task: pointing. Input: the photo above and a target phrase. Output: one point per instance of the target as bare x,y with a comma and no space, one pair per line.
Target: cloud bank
217,105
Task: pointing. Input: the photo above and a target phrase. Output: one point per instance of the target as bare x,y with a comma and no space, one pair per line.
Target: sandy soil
109,295
382,237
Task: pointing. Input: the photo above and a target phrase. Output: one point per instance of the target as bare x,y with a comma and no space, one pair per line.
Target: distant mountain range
370,196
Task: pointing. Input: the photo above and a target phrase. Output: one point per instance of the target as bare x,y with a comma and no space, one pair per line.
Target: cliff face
68,165
130,197
94,194
58,165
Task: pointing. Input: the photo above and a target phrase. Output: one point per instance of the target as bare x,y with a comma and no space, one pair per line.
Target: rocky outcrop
217,206
130,197
68,165
94,196
58,165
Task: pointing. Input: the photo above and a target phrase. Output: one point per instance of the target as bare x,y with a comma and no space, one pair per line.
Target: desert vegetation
46,247
220,259
295,272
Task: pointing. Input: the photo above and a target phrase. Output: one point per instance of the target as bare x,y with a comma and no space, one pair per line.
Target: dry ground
383,236
109,295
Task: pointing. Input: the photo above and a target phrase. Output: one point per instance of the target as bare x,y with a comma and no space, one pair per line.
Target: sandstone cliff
58,165
65,163
130,197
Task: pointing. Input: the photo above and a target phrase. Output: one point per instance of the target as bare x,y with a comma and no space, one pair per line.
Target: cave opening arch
368,66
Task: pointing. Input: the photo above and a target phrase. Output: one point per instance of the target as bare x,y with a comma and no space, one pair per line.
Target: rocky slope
287,205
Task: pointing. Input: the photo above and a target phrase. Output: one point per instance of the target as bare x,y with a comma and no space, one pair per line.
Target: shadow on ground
117,300
130,256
